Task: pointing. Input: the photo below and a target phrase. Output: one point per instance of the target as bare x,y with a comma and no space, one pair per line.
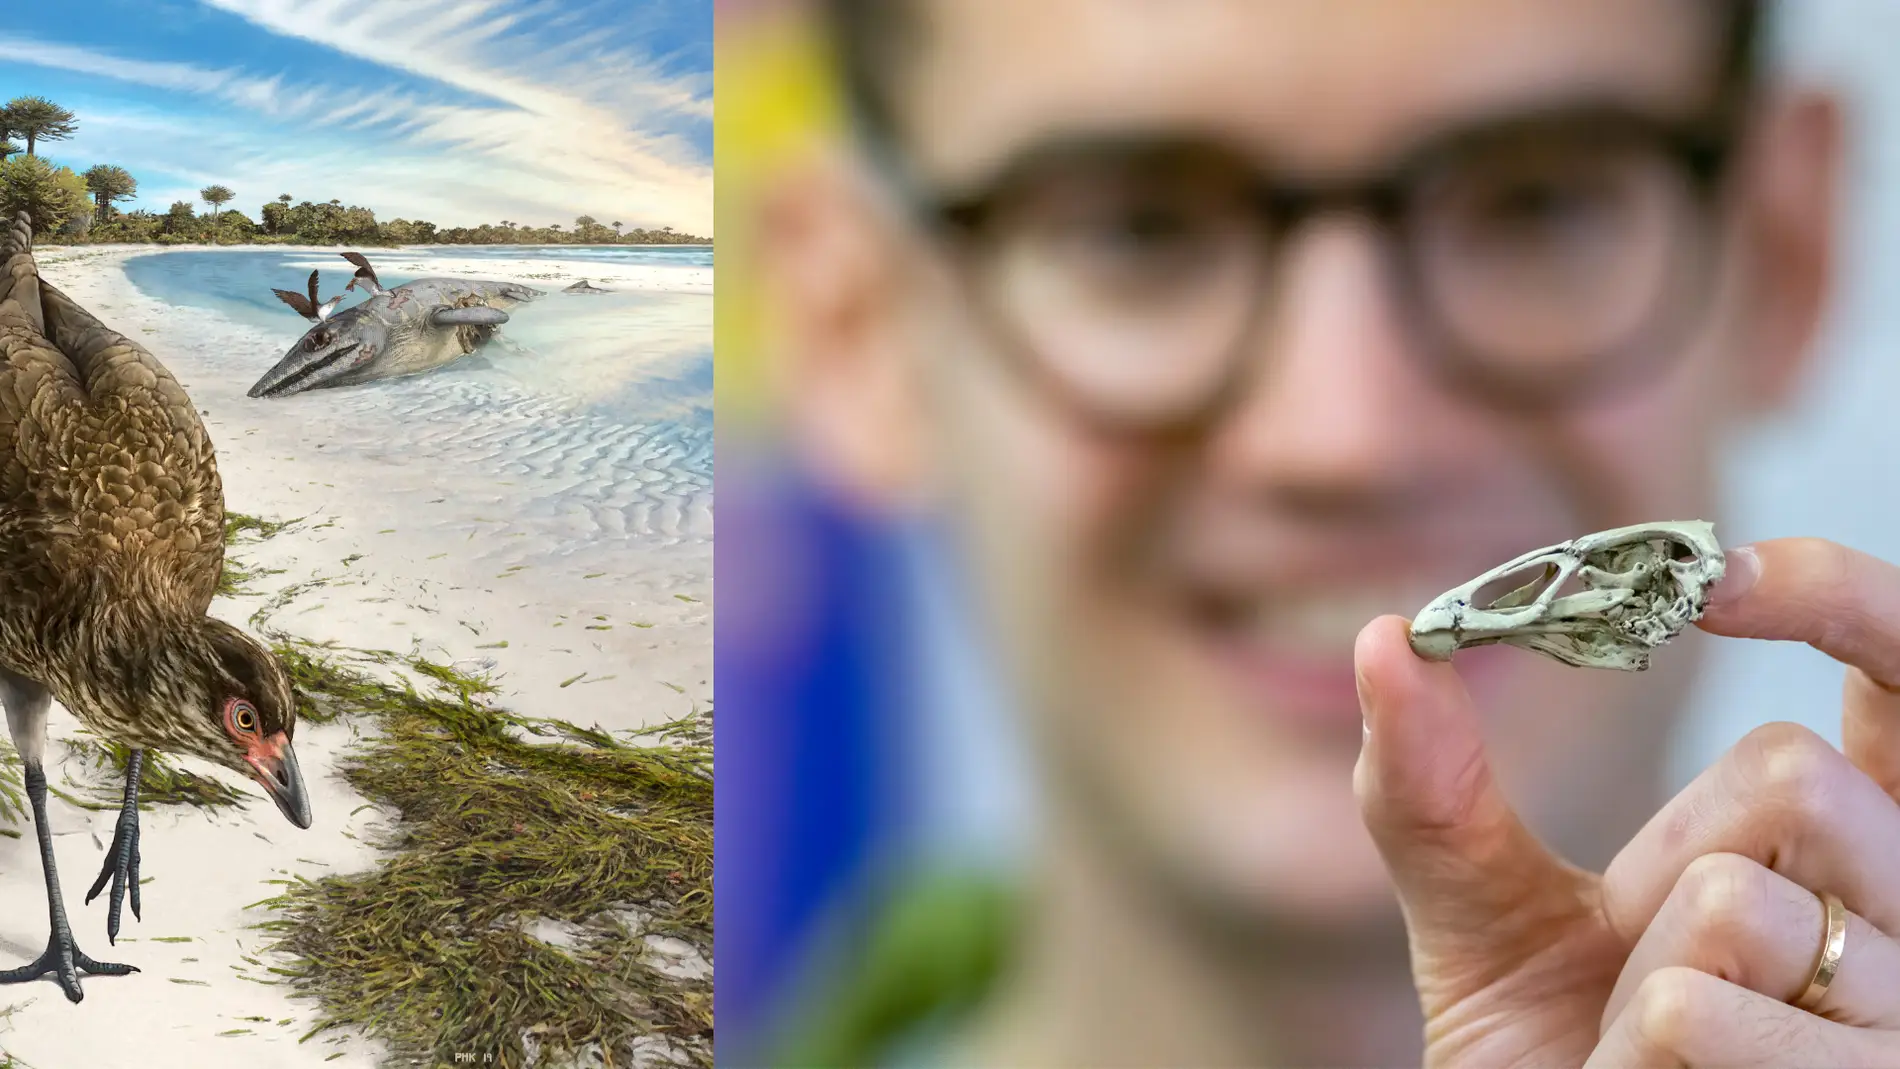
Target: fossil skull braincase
1640,586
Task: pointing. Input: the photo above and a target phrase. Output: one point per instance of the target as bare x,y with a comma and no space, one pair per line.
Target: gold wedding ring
1831,949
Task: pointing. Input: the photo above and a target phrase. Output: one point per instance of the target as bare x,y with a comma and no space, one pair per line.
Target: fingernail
1744,567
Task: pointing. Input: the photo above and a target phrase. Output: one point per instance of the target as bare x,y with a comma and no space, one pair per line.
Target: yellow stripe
775,100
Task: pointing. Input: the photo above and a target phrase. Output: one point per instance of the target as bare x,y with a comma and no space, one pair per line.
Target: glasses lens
1133,289
1540,258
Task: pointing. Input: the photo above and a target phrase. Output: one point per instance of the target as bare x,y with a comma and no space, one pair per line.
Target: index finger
1842,602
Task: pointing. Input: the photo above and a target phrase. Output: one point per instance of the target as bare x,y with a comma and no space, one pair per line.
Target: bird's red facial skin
264,754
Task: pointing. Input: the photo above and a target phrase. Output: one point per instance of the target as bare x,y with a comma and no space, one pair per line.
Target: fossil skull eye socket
1527,583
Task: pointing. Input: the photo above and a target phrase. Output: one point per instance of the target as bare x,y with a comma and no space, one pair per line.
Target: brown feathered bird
111,544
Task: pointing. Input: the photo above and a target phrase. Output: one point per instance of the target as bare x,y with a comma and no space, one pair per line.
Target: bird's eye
243,715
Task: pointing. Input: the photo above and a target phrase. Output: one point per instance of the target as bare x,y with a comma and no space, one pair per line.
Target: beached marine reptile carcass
411,328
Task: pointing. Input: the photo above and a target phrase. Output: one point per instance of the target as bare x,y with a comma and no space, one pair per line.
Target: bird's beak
275,765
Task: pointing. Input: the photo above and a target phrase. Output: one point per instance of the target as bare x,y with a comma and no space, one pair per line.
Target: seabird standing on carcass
413,327
111,545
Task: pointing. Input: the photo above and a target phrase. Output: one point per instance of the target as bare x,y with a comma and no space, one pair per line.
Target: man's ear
835,290
1792,216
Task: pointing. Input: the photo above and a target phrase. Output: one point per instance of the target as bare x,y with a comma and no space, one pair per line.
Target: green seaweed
13,807
240,528
498,827
8,1061
160,781
237,523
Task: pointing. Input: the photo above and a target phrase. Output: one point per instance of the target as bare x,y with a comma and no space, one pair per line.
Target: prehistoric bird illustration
411,328
111,544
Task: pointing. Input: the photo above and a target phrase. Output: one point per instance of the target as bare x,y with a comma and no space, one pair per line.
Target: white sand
415,554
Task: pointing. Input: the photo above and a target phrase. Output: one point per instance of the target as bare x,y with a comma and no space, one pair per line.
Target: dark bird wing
105,469
298,303
363,269
303,306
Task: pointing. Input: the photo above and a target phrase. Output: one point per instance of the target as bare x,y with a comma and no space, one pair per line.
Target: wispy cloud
85,61
489,109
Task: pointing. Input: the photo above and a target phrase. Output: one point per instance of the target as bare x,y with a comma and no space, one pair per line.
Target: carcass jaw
306,376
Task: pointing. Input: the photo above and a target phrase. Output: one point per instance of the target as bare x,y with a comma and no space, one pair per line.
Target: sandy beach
576,570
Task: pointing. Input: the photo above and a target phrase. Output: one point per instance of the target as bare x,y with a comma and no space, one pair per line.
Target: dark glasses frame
964,223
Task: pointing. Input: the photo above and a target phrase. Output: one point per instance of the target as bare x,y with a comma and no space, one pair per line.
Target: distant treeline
83,208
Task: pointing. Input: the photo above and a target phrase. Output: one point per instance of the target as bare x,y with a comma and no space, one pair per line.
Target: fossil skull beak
1639,587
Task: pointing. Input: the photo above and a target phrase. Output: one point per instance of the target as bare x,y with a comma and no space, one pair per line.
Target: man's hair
873,39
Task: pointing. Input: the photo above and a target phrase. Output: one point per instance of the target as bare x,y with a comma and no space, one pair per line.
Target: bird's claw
66,961
122,868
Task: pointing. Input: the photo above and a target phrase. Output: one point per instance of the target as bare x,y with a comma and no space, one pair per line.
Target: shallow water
590,413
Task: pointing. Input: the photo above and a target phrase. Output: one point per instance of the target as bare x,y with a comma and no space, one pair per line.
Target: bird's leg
62,958
122,861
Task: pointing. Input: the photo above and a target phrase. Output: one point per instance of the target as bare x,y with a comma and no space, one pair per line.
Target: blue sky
456,111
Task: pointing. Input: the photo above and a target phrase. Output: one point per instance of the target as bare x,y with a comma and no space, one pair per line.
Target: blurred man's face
1178,601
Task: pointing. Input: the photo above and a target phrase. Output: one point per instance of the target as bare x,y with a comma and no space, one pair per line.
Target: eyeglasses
1539,262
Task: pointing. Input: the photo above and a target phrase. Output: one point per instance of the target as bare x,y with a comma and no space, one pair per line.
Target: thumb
1476,886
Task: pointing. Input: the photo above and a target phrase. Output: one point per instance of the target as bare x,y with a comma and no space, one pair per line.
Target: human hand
1695,943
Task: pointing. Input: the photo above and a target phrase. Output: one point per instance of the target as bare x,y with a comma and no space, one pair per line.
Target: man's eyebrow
1111,147
1081,148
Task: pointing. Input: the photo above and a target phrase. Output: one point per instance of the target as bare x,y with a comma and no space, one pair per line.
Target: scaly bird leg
62,958
122,861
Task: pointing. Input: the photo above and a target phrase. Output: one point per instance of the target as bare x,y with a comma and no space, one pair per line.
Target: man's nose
1338,400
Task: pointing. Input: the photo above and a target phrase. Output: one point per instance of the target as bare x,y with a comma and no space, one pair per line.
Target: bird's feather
365,274
297,302
106,472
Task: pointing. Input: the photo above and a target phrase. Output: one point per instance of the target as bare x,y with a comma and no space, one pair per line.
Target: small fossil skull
1640,586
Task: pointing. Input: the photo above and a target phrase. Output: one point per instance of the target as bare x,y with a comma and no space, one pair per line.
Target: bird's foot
122,868
66,961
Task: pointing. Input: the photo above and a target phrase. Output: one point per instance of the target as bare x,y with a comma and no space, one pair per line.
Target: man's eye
1139,230
1139,245
1547,205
